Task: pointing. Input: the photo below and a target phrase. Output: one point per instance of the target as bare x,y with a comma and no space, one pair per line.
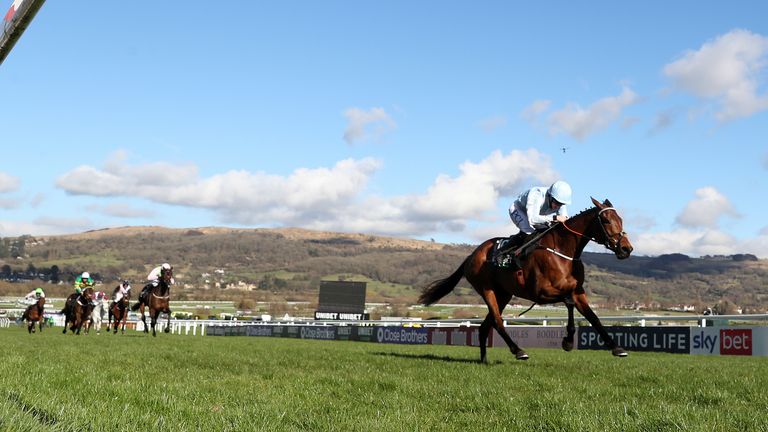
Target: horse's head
87,294
611,230
166,275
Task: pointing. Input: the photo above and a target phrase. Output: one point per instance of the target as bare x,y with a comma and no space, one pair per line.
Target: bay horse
34,314
553,272
77,310
157,299
119,311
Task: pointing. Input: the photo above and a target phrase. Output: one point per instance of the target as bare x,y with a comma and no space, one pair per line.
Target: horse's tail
441,287
136,306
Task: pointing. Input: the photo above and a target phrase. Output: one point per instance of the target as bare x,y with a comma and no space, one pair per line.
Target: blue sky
411,119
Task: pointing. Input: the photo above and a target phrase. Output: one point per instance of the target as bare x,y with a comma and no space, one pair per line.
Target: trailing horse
119,311
553,272
157,299
35,314
77,310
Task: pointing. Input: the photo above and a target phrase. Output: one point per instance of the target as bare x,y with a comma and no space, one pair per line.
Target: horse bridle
609,242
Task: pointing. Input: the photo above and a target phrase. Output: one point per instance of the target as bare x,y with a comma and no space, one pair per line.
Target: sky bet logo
729,342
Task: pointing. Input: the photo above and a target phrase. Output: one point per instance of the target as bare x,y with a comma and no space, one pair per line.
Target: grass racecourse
132,382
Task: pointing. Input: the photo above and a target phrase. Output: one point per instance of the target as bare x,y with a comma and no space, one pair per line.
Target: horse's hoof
521,355
167,330
567,345
618,352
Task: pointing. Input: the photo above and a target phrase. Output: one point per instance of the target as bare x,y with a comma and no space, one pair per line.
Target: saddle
509,253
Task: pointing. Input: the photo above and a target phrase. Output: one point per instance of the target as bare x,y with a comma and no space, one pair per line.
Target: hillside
287,264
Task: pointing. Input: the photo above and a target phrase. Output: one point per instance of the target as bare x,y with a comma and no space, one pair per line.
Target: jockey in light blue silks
538,208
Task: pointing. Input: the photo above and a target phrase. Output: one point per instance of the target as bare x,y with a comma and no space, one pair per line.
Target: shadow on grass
432,357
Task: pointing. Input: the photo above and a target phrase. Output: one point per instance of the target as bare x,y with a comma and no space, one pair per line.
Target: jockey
35,294
154,278
122,290
83,281
154,275
538,208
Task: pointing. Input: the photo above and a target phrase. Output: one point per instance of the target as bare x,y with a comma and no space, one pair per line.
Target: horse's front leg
144,319
154,315
168,325
583,307
571,328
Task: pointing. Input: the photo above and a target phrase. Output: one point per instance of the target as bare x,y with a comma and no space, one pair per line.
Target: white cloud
332,198
45,226
121,211
369,125
479,185
698,243
664,119
9,203
706,209
492,123
579,122
532,111
8,183
726,70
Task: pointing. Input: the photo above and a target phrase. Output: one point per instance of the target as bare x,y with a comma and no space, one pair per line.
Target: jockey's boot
513,243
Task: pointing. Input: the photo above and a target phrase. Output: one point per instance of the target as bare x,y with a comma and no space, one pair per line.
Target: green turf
53,382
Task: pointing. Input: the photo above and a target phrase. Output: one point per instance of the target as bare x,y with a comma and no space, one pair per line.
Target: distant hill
288,263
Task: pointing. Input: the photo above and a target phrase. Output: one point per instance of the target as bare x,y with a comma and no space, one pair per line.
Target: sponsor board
729,341
402,335
529,337
342,316
260,331
344,333
321,333
452,336
364,334
292,332
660,339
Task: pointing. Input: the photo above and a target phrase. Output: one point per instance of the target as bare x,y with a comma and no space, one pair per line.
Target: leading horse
157,299
34,314
553,272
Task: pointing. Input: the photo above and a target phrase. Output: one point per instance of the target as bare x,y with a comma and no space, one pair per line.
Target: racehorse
96,317
119,311
157,299
77,310
33,314
553,272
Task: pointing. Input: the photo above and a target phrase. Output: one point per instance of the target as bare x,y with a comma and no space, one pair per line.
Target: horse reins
608,239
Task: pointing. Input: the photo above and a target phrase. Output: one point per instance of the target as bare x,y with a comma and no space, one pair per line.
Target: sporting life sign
660,339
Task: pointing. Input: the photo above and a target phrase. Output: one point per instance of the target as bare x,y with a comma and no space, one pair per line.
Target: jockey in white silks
154,278
122,290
